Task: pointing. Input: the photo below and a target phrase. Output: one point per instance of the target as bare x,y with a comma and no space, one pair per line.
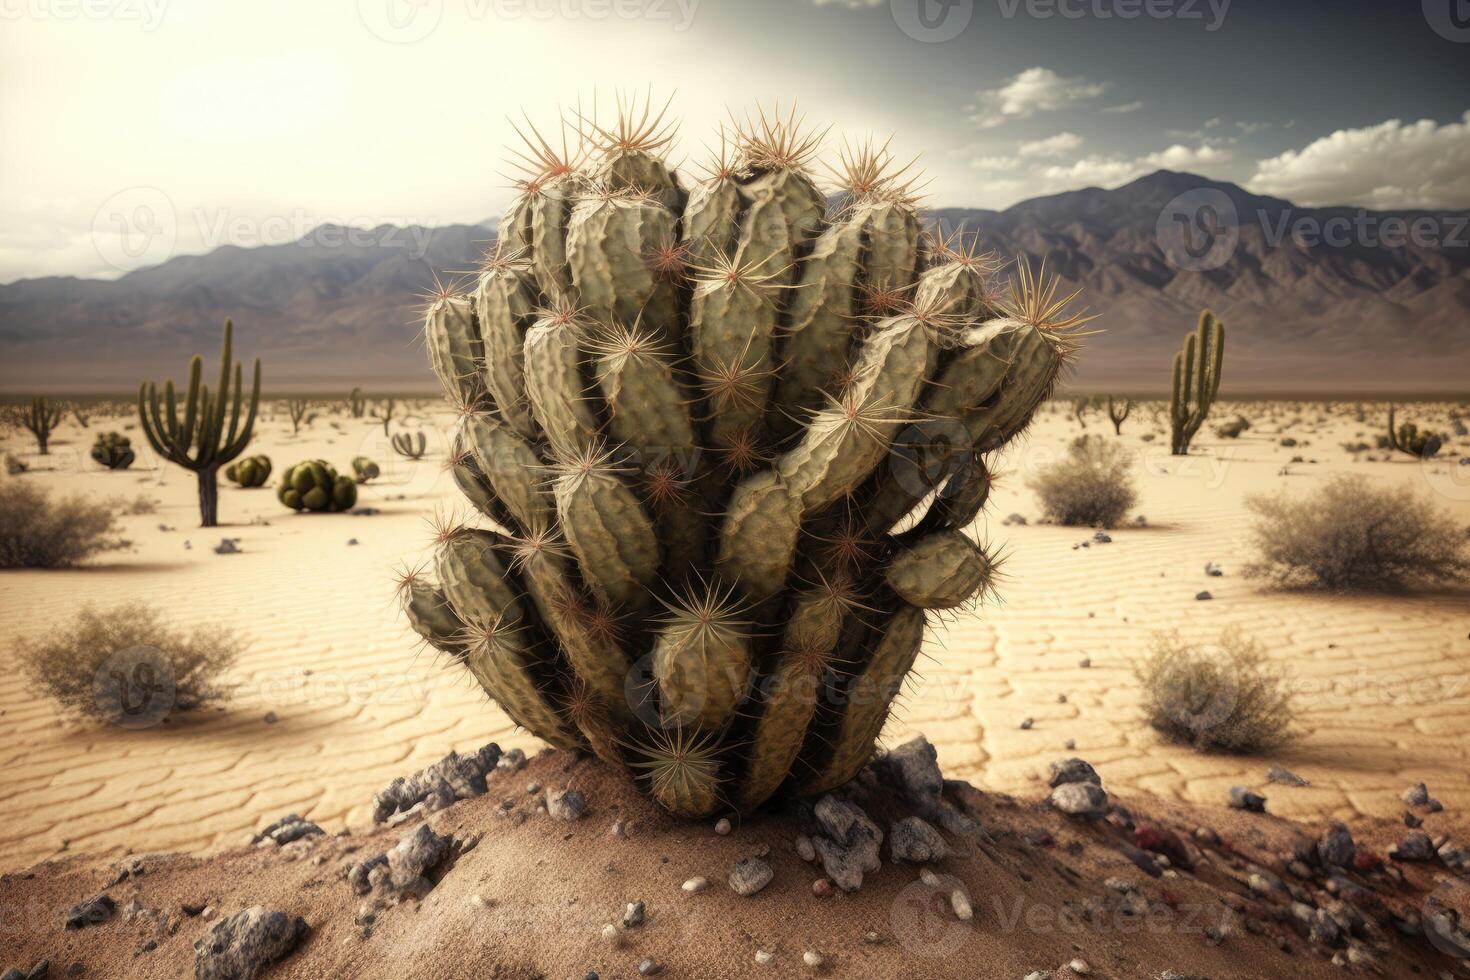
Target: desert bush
1227,699
1233,428
133,506
1288,442
125,663
1350,534
1092,486
39,532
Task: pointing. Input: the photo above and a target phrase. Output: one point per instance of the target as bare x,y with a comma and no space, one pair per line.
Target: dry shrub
38,532
1227,699
125,665
1350,534
1092,486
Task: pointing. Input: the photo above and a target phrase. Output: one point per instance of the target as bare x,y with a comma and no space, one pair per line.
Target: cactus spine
40,417
697,415
201,440
1119,413
1196,381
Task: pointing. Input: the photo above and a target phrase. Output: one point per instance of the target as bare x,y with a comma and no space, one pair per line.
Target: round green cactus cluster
252,471
113,450
314,485
364,469
725,438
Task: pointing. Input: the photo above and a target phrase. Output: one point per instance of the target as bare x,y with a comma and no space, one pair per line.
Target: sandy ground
1384,683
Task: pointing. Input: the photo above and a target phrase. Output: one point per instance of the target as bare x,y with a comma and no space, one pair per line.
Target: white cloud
1390,165
1094,170
1033,90
1126,107
1053,146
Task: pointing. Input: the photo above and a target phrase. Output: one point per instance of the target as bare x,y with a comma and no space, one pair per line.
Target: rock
454,777
1284,777
1039,975
1323,929
414,856
812,958
650,968
763,958
634,915
1142,860
1065,771
914,840
1080,799
511,761
695,885
1336,848
227,546
1027,724
959,903
1416,846
1162,840
1103,537
92,912
1213,569
567,805
271,718
1015,519
804,848
1203,596
823,887
1243,799
722,827
1079,967
287,829
241,945
1418,795
914,768
850,848
1085,663
749,875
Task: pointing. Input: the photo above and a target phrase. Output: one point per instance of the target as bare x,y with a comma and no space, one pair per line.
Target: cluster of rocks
39,971
245,943
287,830
403,869
454,777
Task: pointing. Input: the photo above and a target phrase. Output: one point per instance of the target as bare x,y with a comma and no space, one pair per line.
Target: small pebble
695,885
1079,967
764,958
822,887
610,934
804,848
812,958
960,902
634,915
722,827
650,968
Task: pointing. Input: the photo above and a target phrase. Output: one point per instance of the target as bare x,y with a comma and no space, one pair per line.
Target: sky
134,130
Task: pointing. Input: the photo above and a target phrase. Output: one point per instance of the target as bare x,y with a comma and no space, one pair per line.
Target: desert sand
335,697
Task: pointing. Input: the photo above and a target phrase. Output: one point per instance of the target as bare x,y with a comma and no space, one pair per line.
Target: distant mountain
1300,314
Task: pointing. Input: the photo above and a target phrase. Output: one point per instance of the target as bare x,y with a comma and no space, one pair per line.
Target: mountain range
1314,299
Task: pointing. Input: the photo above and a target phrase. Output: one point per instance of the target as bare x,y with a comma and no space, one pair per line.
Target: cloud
1390,165
1033,90
1053,146
1125,108
1095,170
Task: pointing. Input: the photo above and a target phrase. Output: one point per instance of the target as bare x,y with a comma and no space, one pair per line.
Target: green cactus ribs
315,486
1196,381
726,440
252,471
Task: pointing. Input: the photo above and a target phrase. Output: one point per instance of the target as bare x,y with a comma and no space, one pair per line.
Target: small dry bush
39,532
1226,699
1092,486
141,504
1351,534
124,664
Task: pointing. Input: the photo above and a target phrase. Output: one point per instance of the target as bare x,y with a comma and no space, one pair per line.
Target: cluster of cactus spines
40,417
113,450
300,410
410,445
252,471
1196,381
315,486
1118,414
364,469
729,439
357,403
1408,439
211,431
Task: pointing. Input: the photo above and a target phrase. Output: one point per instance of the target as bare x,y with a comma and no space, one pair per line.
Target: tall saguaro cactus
200,440
40,417
1196,381
728,440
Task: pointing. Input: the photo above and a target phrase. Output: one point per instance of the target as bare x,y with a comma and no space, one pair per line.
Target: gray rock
1065,771
1203,596
850,847
287,829
566,805
1324,929
1416,846
1243,799
1213,569
239,947
749,875
634,915
454,777
913,839
1336,848
92,912
1103,537
1080,799
1418,795
512,761
359,876
414,856
914,768
1284,777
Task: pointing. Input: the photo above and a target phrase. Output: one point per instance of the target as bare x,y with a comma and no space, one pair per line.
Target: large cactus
1408,439
201,440
728,440
40,417
1196,381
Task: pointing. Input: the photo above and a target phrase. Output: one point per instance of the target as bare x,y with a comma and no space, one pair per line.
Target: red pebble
1365,861
822,887
1162,840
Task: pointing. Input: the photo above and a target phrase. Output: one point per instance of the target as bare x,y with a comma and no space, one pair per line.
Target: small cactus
364,469
409,445
1409,440
252,471
113,450
40,417
731,437
384,411
357,403
1196,381
315,486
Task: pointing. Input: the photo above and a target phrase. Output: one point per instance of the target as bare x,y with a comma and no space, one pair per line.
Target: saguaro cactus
40,417
200,440
1196,381
357,403
1408,439
728,439
1119,413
